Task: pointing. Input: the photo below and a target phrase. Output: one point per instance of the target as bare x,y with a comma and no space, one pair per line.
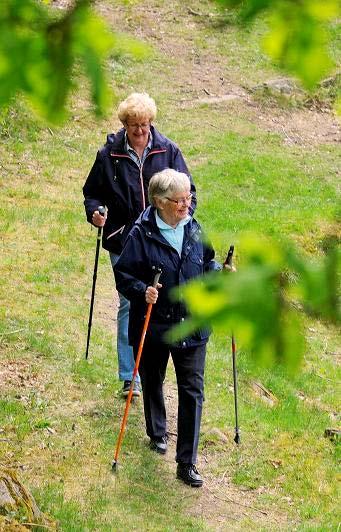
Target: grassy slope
67,412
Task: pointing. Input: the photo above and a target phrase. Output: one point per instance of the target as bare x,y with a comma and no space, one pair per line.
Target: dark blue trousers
189,365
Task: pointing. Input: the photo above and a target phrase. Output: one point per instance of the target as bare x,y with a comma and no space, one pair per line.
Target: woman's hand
229,268
98,219
152,293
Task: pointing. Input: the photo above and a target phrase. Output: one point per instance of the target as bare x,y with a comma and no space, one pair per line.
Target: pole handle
157,277
101,210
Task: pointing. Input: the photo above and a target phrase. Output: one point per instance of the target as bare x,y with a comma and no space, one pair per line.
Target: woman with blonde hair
119,180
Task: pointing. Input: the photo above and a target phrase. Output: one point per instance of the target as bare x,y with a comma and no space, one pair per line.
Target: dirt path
203,76
221,505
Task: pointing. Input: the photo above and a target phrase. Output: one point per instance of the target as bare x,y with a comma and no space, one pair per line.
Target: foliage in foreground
298,38
39,51
263,302
60,416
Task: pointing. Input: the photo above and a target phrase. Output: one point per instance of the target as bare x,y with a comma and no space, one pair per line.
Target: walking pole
237,436
101,210
136,368
228,261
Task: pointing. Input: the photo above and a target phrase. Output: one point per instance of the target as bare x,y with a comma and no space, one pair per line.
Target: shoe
189,474
136,389
160,446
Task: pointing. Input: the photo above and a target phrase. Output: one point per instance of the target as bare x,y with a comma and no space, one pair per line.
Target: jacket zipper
152,152
120,230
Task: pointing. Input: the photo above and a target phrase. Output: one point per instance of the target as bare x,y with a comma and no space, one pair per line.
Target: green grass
283,445
60,419
278,189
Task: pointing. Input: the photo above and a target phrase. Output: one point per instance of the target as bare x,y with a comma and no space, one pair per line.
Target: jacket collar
116,141
147,222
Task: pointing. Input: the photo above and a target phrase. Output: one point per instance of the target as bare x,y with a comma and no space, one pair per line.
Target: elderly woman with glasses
119,181
166,236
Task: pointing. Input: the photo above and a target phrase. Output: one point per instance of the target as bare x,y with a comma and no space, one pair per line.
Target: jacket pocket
195,264
114,237
118,231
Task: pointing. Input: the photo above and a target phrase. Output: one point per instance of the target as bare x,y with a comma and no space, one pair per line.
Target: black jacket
117,182
146,249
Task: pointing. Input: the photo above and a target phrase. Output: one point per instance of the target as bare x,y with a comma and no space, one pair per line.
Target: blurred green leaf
92,52
298,42
319,283
38,53
298,38
259,302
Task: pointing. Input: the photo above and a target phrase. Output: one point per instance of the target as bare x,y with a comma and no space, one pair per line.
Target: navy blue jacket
117,182
146,249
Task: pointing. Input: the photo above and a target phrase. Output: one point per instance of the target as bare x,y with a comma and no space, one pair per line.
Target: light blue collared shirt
132,153
173,235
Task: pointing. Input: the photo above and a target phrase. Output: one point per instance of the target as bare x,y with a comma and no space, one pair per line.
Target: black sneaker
189,474
160,445
136,389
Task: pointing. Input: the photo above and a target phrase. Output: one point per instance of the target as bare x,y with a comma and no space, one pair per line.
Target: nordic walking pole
136,368
228,261
237,436
101,210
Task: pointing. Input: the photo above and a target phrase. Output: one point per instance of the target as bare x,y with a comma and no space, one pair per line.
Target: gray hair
165,183
137,106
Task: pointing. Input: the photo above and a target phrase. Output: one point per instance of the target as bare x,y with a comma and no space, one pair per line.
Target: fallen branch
192,12
39,525
229,499
226,500
323,377
11,332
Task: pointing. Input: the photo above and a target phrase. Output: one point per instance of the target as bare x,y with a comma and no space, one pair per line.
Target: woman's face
174,207
138,131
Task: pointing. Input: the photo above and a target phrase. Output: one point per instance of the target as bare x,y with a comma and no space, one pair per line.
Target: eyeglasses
181,201
144,126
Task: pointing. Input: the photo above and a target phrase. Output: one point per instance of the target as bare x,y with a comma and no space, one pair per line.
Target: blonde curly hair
137,106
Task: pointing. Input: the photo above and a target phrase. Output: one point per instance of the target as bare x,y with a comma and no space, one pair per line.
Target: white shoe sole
136,393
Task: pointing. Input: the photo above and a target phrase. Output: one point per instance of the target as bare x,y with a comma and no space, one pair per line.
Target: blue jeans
126,361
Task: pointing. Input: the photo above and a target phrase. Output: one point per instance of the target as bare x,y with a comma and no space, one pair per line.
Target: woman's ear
159,203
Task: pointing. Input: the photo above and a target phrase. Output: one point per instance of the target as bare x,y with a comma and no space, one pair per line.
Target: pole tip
114,466
237,439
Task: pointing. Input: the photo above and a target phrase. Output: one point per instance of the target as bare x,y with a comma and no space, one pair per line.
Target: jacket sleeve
180,166
210,265
93,188
130,262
